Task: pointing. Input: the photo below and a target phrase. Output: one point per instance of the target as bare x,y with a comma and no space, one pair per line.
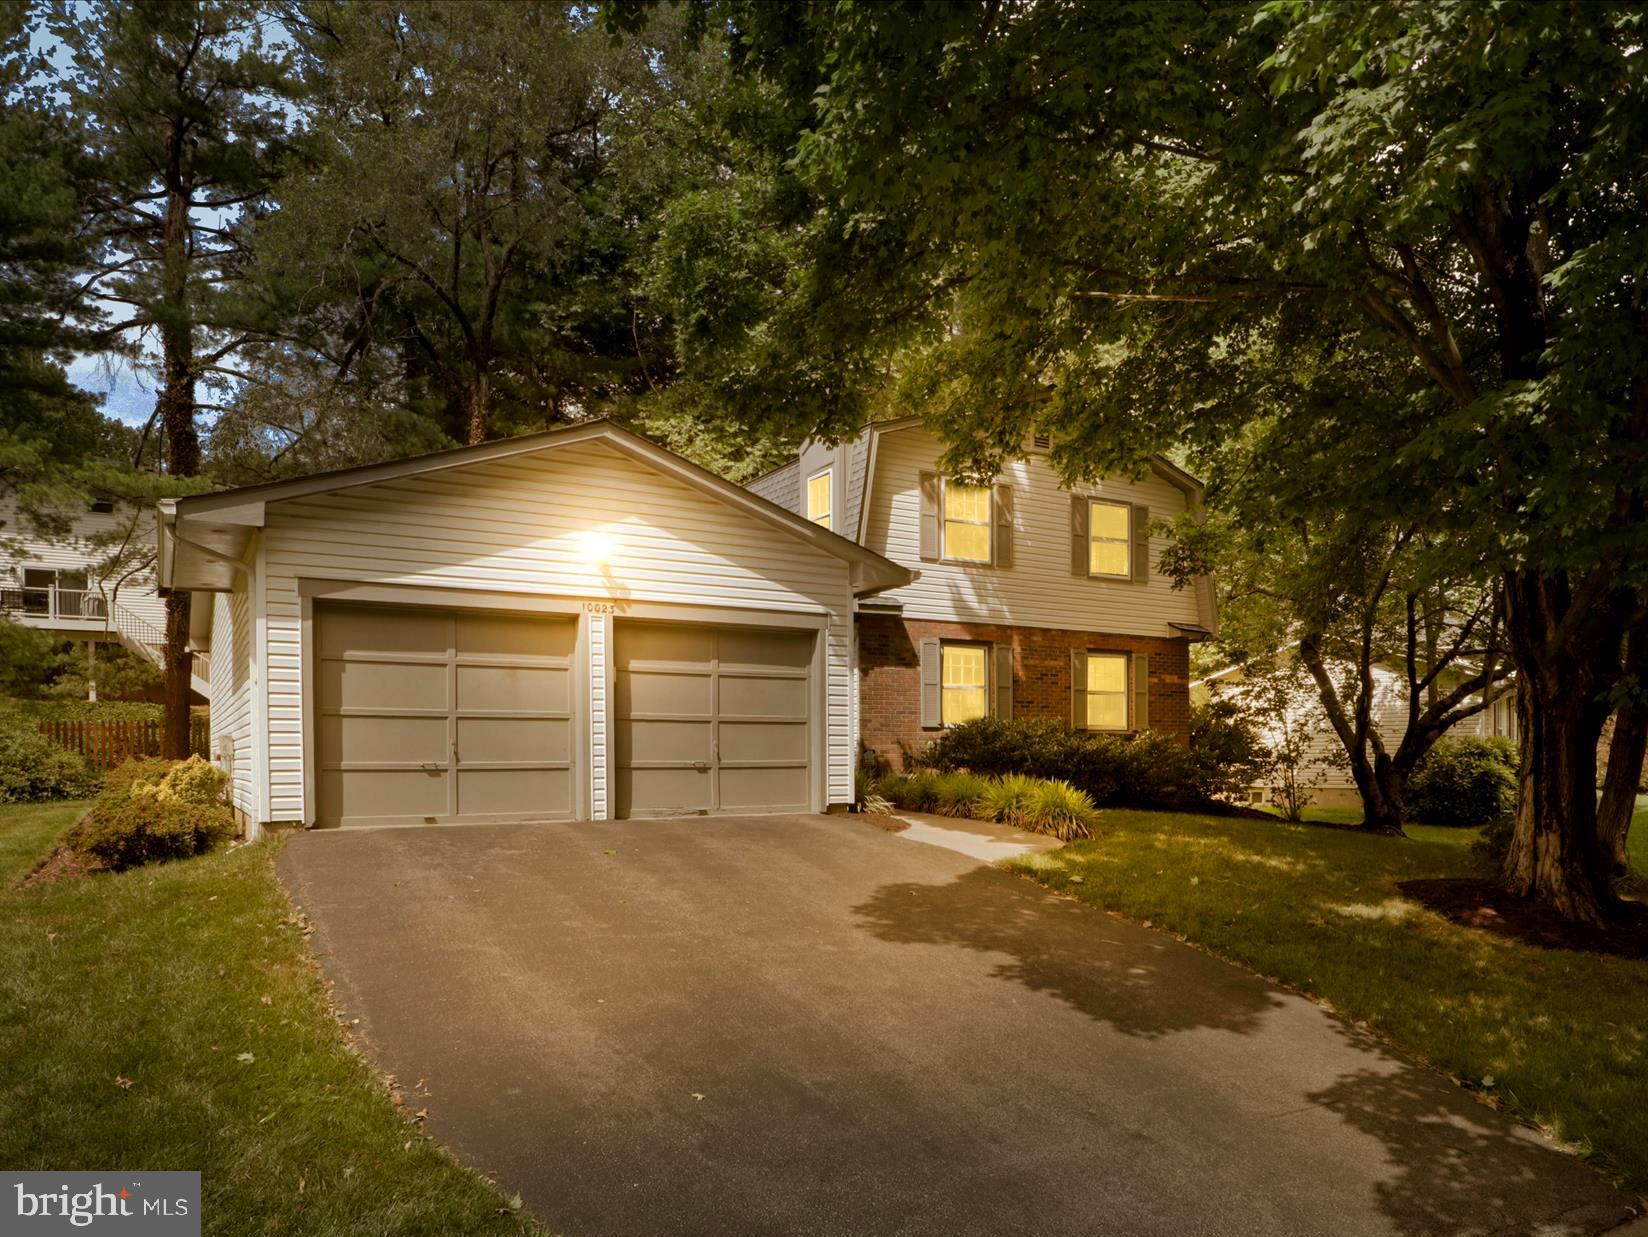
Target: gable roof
209,532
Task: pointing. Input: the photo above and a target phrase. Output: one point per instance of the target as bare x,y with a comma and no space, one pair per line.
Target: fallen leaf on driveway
697,1095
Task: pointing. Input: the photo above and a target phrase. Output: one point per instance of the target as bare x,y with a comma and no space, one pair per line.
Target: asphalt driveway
805,1025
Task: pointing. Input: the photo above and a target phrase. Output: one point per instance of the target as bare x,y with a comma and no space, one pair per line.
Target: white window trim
1126,692
825,519
1126,541
988,524
985,648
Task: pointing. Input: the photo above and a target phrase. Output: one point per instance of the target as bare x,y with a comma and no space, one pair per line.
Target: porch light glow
595,548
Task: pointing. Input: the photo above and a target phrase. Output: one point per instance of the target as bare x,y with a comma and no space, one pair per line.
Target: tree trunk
1625,755
177,419
478,407
1382,787
1564,669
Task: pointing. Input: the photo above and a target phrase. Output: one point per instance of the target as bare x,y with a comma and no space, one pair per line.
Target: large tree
455,243
184,108
1082,218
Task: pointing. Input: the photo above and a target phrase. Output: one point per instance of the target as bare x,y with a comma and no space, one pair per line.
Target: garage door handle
703,766
429,766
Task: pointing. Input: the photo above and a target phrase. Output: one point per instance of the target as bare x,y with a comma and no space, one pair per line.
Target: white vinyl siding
1038,589
83,548
523,525
231,695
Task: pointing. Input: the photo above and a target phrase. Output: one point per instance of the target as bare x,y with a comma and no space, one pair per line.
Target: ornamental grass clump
1007,799
1060,809
954,794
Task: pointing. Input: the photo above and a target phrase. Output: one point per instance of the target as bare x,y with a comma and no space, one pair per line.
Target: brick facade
890,676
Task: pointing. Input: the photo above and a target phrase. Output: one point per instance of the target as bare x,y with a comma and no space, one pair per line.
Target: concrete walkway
804,1025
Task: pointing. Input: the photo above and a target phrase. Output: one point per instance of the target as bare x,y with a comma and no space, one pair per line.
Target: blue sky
128,394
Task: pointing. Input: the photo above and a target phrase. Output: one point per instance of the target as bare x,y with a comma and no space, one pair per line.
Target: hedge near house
1466,782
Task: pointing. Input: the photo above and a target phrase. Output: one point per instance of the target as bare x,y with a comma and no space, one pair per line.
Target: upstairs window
820,497
966,522
1109,539
964,685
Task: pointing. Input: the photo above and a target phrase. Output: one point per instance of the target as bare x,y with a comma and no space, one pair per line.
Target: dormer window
103,506
966,522
821,497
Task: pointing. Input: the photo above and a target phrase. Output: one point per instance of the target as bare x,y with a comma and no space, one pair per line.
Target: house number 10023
599,607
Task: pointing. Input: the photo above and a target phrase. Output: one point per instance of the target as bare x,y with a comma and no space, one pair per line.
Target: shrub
187,781
1146,770
33,768
139,770
1227,752
122,830
1464,782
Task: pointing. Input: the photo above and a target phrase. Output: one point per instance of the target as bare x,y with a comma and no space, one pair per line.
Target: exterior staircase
142,637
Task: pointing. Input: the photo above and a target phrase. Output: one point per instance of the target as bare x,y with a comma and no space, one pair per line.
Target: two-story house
83,575
579,624
1029,598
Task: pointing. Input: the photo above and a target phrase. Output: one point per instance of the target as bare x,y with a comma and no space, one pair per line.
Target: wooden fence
106,744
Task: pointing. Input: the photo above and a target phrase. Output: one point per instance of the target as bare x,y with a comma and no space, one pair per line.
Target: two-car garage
427,716
567,625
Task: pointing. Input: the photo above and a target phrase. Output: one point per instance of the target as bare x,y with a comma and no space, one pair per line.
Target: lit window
967,522
819,498
963,697
1109,539
1106,691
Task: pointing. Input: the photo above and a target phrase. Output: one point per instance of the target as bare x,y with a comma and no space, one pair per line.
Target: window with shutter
1109,539
1105,691
967,522
964,683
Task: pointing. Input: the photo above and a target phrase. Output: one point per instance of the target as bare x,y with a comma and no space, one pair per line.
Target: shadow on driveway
803,1025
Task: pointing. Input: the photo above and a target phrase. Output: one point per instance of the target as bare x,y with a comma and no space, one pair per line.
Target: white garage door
712,719
431,716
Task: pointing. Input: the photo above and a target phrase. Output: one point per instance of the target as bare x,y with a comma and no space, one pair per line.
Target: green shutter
1079,559
1141,544
1078,688
1003,685
1001,550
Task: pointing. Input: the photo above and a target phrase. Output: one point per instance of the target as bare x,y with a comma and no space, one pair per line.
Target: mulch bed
887,824
1486,905
61,865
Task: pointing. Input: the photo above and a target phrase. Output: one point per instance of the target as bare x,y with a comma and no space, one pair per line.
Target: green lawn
191,981
1561,1035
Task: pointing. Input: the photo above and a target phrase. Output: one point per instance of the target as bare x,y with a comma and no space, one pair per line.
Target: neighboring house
1328,774
63,581
572,624
1029,599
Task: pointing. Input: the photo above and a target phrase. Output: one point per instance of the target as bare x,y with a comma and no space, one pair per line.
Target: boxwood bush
33,768
1465,782
1145,770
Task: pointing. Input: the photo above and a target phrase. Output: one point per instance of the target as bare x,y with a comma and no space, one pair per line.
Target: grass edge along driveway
1556,1038
171,1018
